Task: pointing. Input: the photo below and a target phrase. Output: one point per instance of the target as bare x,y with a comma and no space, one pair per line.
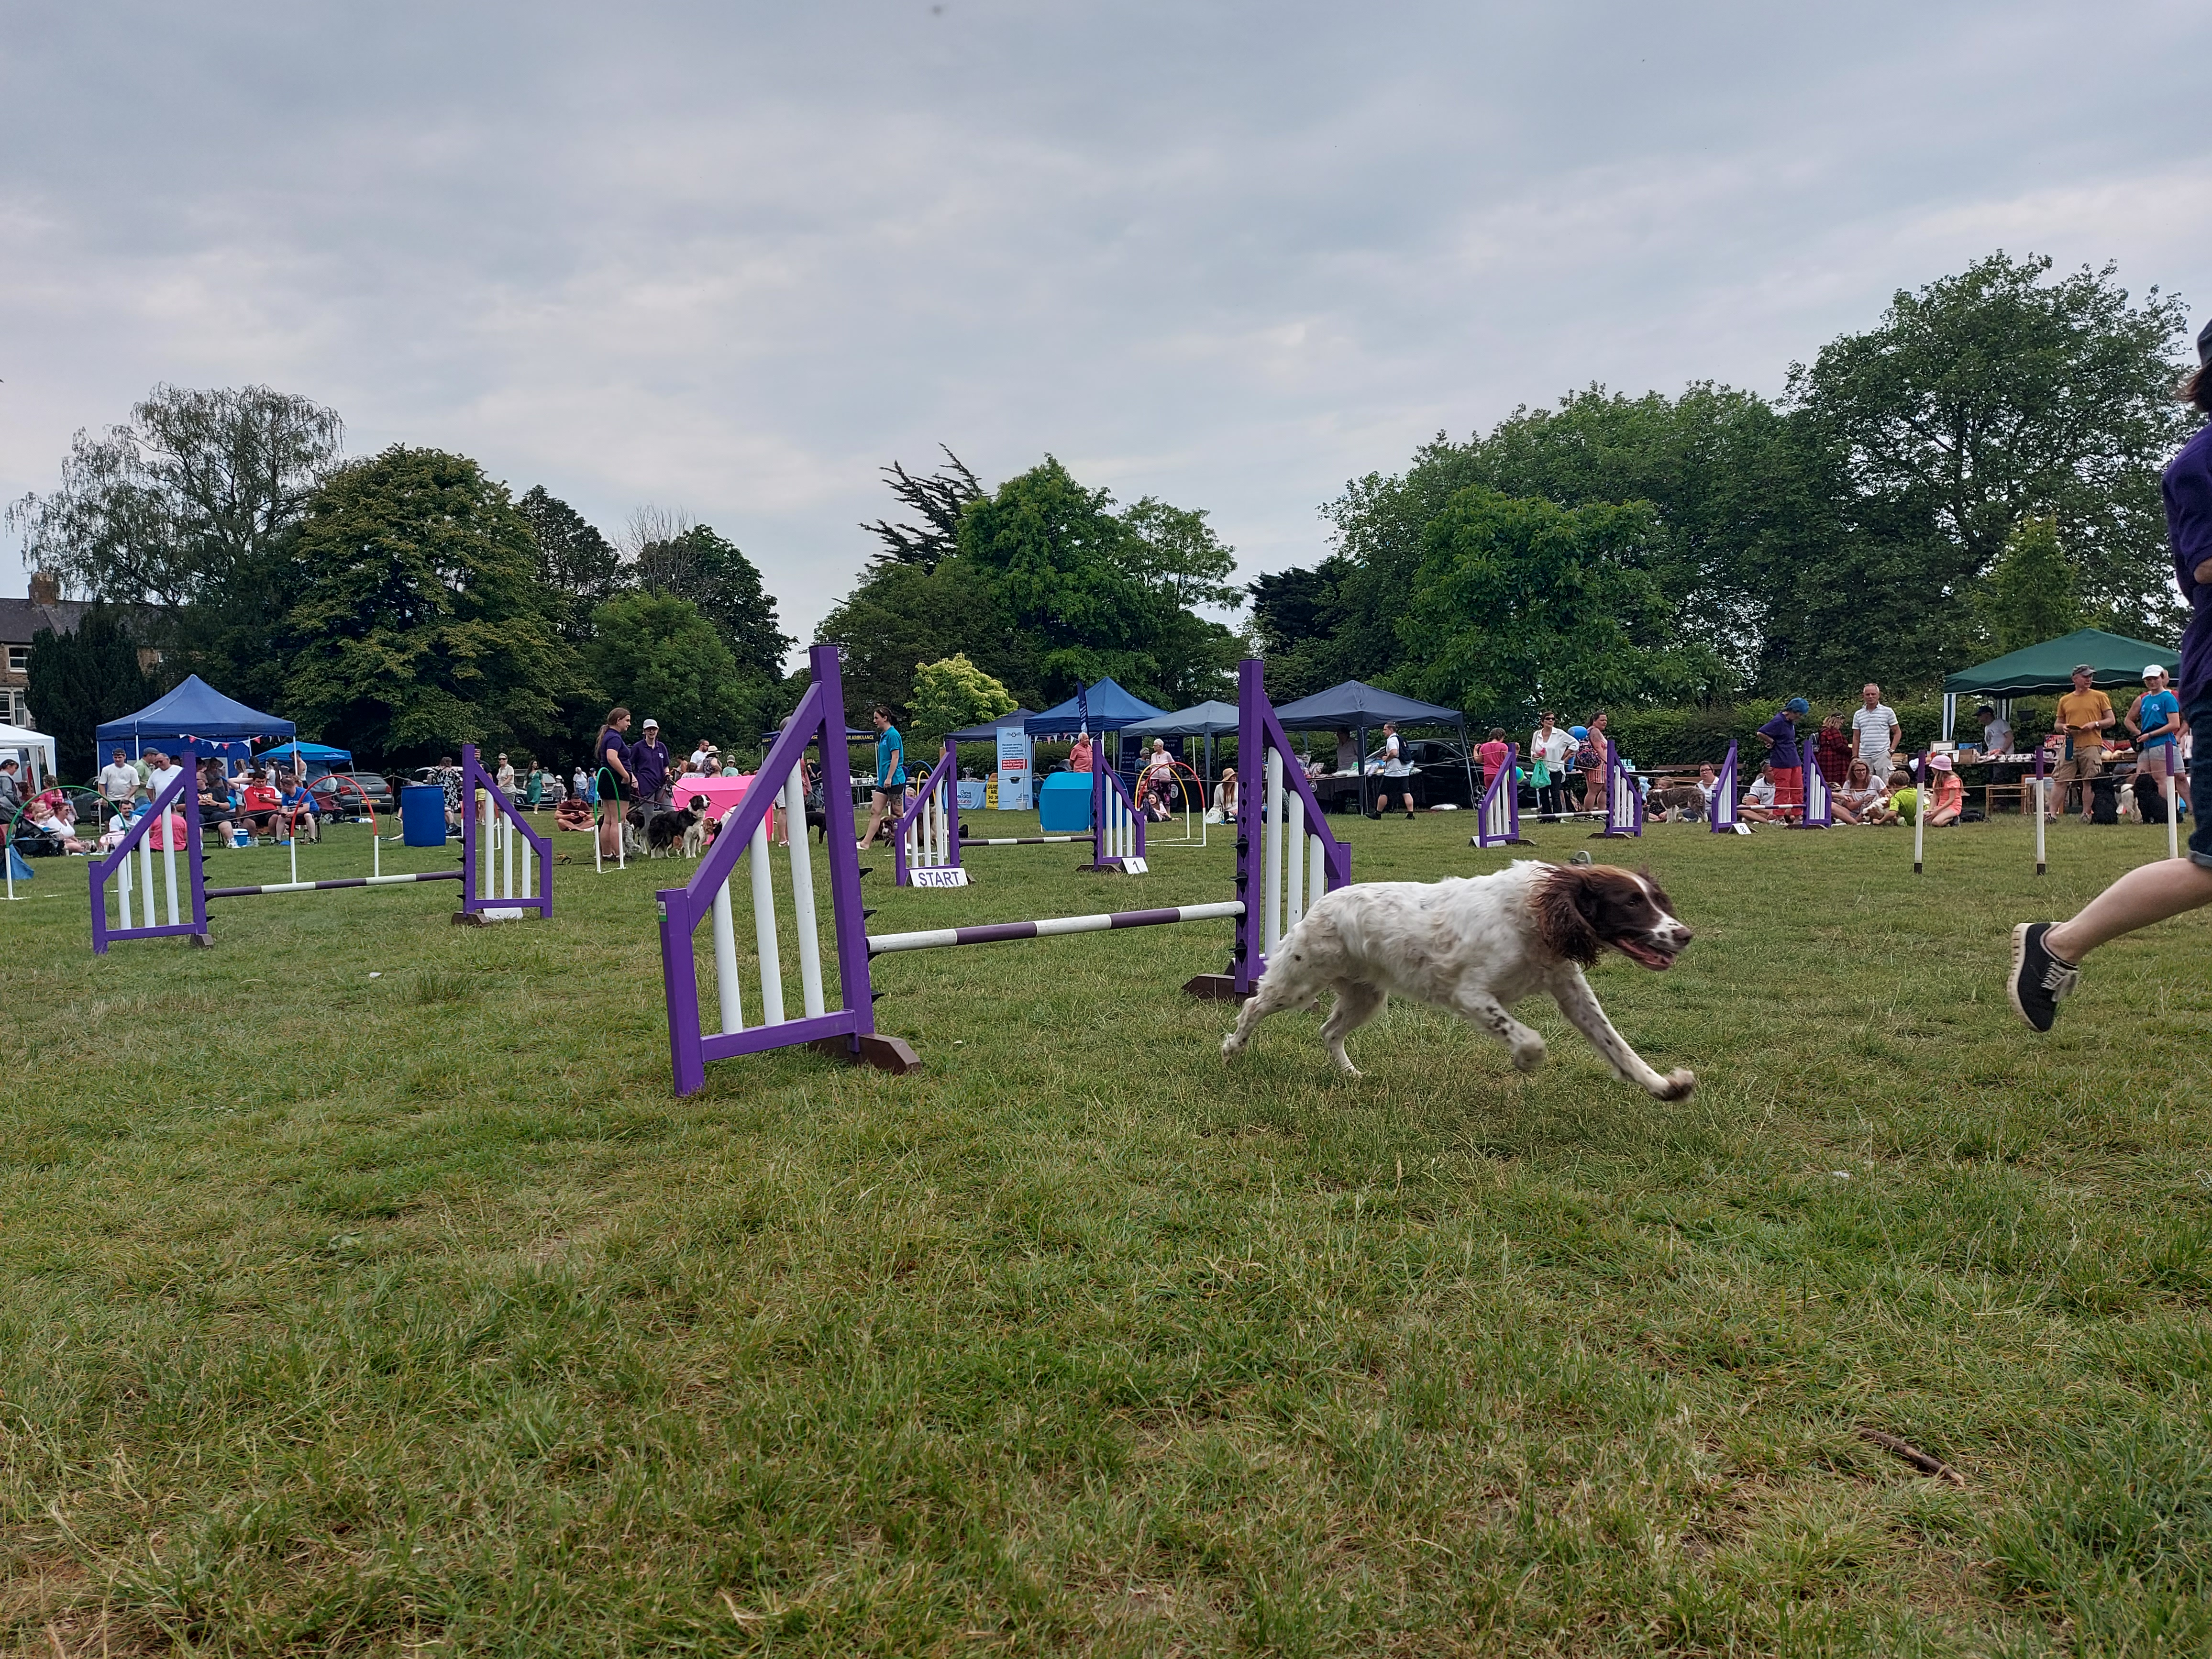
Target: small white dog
1476,946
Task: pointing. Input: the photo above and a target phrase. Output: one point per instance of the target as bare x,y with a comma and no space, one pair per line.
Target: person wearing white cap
649,765
2155,720
2047,957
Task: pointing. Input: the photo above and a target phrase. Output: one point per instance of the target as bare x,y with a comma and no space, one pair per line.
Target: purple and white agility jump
1285,856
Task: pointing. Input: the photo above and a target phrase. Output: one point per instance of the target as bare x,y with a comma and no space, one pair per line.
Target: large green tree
81,677
2002,394
902,615
658,655
1520,604
421,621
2031,594
709,570
575,561
937,499
949,695
191,493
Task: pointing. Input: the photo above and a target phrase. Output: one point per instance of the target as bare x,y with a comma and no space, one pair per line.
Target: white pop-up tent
34,749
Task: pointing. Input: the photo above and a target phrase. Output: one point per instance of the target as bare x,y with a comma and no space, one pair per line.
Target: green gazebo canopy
2050,667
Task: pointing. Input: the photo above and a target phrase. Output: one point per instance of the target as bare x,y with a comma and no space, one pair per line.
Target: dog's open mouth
1644,950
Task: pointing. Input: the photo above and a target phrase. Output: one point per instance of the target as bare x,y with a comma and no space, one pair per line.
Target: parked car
1441,764
344,794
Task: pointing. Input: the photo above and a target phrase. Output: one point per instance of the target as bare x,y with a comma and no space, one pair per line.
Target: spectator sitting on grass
1860,799
1948,795
1904,798
40,832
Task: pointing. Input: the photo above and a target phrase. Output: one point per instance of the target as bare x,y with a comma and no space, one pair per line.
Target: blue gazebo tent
301,752
1357,707
194,717
1201,719
1104,707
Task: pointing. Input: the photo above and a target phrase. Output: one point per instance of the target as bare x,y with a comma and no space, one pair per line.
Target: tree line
1978,471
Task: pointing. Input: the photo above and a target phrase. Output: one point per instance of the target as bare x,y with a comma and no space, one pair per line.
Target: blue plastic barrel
421,815
1064,803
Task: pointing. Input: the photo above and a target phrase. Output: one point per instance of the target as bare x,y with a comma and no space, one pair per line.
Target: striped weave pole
318,886
999,932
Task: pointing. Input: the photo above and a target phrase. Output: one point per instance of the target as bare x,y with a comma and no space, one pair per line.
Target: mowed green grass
410,1314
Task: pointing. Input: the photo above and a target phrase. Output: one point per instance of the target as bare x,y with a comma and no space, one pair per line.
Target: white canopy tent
34,749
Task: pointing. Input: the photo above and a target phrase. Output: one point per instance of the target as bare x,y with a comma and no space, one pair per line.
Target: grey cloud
735,259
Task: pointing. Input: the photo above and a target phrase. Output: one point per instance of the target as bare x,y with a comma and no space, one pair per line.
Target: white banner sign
1015,756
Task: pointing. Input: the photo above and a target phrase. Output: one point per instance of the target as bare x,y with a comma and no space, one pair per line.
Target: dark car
344,795
1441,781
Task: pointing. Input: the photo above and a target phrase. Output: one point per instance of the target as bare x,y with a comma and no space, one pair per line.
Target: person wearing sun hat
1947,795
1780,737
2047,957
2155,721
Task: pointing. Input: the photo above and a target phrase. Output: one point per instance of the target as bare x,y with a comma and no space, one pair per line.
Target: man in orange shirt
2085,714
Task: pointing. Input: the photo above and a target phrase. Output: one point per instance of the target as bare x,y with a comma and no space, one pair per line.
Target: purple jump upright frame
850,1030
1497,820
1820,810
182,793
1721,815
927,834
1624,801
488,861
1273,888
1117,828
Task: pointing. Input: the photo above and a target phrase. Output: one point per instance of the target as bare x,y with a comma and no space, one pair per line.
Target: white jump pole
507,841
802,896
726,991
2040,867
1294,862
1271,833
771,962
1919,812
122,891
146,873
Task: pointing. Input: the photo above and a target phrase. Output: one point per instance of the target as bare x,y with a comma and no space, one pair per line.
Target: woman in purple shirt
2047,957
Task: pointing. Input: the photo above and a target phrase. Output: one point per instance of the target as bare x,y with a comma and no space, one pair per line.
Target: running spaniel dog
1476,946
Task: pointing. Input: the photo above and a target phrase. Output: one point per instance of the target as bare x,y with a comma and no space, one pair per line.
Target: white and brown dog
1476,946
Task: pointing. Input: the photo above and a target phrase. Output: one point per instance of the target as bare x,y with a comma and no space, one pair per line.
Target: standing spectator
1548,757
2084,714
118,781
891,775
1780,737
1493,755
1079,753
700,757
1876,733
161,773
580,786
1832,750
648,764
504,778
2046,959
2155,721
612,779
1395,765
11,789
1594,759
1997,730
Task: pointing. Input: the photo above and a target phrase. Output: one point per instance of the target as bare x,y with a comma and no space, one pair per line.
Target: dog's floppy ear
1560,922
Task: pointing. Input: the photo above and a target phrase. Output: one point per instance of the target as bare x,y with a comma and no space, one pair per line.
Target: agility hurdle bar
1721,815
1000,932
181,793
1497,820
488,844
1279,831
342,881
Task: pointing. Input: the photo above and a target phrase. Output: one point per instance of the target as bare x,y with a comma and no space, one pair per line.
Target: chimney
45,587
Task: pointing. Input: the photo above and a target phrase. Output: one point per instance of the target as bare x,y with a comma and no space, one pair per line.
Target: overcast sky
732,259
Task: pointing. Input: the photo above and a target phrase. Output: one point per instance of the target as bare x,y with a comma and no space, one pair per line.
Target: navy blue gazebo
194,718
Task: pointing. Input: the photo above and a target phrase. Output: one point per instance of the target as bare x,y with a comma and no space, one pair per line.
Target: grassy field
363,1291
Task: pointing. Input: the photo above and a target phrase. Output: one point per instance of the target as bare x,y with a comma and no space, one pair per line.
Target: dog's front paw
1232,1044
1676,1085
1529,1056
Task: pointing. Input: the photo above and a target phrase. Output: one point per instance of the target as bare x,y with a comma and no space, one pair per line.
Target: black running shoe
2039,978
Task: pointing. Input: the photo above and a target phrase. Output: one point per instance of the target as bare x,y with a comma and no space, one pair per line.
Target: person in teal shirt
2156,722
891,775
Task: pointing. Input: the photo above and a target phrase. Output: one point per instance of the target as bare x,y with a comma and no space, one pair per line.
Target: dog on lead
665,831
1476,946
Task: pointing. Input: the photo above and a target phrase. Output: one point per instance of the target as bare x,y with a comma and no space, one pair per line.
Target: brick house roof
20,619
